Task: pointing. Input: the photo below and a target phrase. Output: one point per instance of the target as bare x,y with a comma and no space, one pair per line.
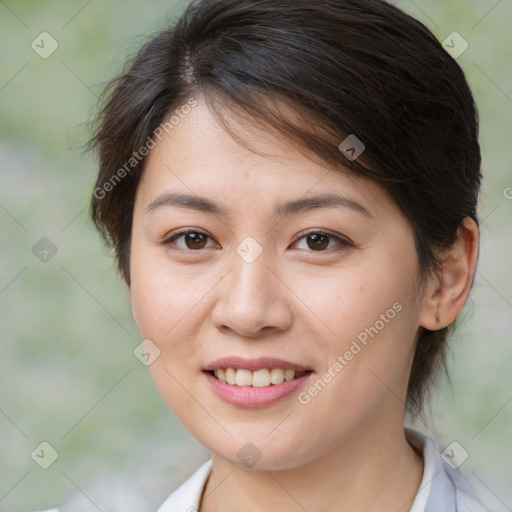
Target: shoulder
444,486
466,496
185,498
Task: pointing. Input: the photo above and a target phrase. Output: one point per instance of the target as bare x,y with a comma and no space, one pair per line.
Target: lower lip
248,396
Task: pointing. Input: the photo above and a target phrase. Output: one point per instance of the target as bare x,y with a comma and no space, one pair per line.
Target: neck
376,470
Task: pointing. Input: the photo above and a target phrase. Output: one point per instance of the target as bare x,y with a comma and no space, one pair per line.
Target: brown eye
195,240
319,241
189,240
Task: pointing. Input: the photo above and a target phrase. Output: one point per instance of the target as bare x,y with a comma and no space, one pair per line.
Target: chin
256,451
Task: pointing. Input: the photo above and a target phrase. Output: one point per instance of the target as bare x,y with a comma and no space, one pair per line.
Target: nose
252,301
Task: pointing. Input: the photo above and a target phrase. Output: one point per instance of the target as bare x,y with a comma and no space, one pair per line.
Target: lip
248,397
254,364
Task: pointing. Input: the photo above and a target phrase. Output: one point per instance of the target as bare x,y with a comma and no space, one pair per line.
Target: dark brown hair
359,67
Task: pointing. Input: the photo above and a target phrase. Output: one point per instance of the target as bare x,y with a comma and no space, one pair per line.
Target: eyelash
342,243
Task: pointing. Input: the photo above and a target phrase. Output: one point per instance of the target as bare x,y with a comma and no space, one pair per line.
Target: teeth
258,379
231,376
243,377
277,375
289,375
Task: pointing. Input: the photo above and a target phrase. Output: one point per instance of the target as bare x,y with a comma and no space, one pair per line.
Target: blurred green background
68,373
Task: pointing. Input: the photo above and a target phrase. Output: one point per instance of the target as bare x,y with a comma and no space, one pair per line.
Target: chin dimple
257,379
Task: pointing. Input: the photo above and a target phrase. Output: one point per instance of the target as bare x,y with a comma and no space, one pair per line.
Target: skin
346,448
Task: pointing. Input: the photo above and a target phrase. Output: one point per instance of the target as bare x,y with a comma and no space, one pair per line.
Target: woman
290,188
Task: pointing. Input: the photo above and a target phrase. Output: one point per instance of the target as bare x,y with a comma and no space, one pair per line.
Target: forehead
198,156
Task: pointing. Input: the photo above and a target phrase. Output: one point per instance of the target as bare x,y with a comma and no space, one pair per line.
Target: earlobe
448,291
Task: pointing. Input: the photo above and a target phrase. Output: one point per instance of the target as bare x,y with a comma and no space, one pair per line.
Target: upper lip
254,364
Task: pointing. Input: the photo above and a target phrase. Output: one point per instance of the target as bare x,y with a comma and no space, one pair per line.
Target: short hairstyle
345,67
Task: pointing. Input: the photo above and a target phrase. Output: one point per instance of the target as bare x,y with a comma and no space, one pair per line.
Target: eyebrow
296,206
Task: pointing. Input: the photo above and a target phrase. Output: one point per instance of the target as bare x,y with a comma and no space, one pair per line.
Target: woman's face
271,279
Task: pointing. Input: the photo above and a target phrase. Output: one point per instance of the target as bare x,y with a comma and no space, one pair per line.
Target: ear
447,292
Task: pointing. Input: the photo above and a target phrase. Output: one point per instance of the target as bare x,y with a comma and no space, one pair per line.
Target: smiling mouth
261,378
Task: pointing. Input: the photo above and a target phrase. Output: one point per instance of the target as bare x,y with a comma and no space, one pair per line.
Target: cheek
170,306
161,296
364,322
165,305
345,302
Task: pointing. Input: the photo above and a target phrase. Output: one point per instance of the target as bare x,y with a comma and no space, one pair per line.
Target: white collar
186,497
428,450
